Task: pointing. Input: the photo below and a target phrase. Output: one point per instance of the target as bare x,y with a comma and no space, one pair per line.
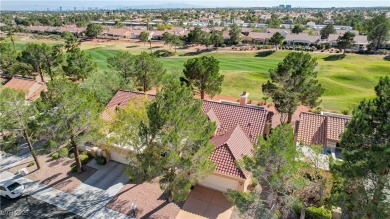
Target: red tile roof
251,120
317,129
335,126
238,129
230,148
31,87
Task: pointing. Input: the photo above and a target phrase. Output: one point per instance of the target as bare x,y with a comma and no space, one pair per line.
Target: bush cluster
100,160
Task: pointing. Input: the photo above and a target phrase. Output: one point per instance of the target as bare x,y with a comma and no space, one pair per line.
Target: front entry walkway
205,203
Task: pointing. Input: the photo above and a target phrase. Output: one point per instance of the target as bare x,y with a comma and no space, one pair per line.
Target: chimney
244,98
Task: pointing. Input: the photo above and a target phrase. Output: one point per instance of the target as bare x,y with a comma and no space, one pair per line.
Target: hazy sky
69,4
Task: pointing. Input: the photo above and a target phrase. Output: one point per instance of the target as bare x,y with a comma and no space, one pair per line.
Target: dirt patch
55,173
149,199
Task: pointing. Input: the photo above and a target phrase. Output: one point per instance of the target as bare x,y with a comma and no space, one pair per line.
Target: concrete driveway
8,161
205,203
109,178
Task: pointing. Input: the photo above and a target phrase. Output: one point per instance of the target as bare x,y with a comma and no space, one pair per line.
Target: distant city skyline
67,5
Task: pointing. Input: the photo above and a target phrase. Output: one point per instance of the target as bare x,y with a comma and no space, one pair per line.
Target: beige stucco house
238,126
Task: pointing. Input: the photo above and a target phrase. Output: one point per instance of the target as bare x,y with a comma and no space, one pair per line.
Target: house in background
30,87
117,33
238,126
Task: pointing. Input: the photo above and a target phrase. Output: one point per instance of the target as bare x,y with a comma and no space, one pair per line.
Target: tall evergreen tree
276,39
346,41
17,119
93,30
364,174
123,62
379,30
235,34
79,65
177,142
293,83
327,30
42,57
148,71
71,114
273,164
203,74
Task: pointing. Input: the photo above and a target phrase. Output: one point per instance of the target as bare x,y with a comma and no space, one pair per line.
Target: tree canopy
379,30
203,74
93,30
17,119
79,65
148,71
235,34
346,41
363,176
71,115
293,83
276,39
176,141
327,30
42,58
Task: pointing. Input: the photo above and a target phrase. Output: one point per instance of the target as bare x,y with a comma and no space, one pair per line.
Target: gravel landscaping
55,173
149,199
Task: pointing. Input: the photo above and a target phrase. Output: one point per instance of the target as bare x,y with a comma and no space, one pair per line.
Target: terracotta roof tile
230,148
335,126
317,129
238,129
251,120
31,87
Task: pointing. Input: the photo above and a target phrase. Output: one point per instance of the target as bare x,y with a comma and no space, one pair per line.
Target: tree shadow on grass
265,53
386,58
198,52
334,57
132,46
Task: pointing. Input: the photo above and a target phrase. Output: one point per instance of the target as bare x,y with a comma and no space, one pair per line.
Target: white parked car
11,189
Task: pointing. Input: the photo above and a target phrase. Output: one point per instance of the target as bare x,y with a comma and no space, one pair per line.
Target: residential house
117,33
238,126
302,39
260,38
320,129
30,87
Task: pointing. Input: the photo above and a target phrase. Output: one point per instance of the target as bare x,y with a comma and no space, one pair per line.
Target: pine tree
203,74
293,83
70,114
363,175
176,140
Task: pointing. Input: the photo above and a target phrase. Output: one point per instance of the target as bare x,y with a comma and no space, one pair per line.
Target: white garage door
219,183
115,156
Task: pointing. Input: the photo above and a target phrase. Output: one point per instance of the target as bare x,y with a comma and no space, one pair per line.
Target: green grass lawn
346,81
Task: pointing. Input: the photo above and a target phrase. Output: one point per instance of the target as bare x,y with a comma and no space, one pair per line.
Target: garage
119,157
219,183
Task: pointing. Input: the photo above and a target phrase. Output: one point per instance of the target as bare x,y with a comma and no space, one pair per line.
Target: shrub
314,212
223,45
318,213
63,152
30,164
55,155
249,101
100,160
84,158
84,153
345,112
